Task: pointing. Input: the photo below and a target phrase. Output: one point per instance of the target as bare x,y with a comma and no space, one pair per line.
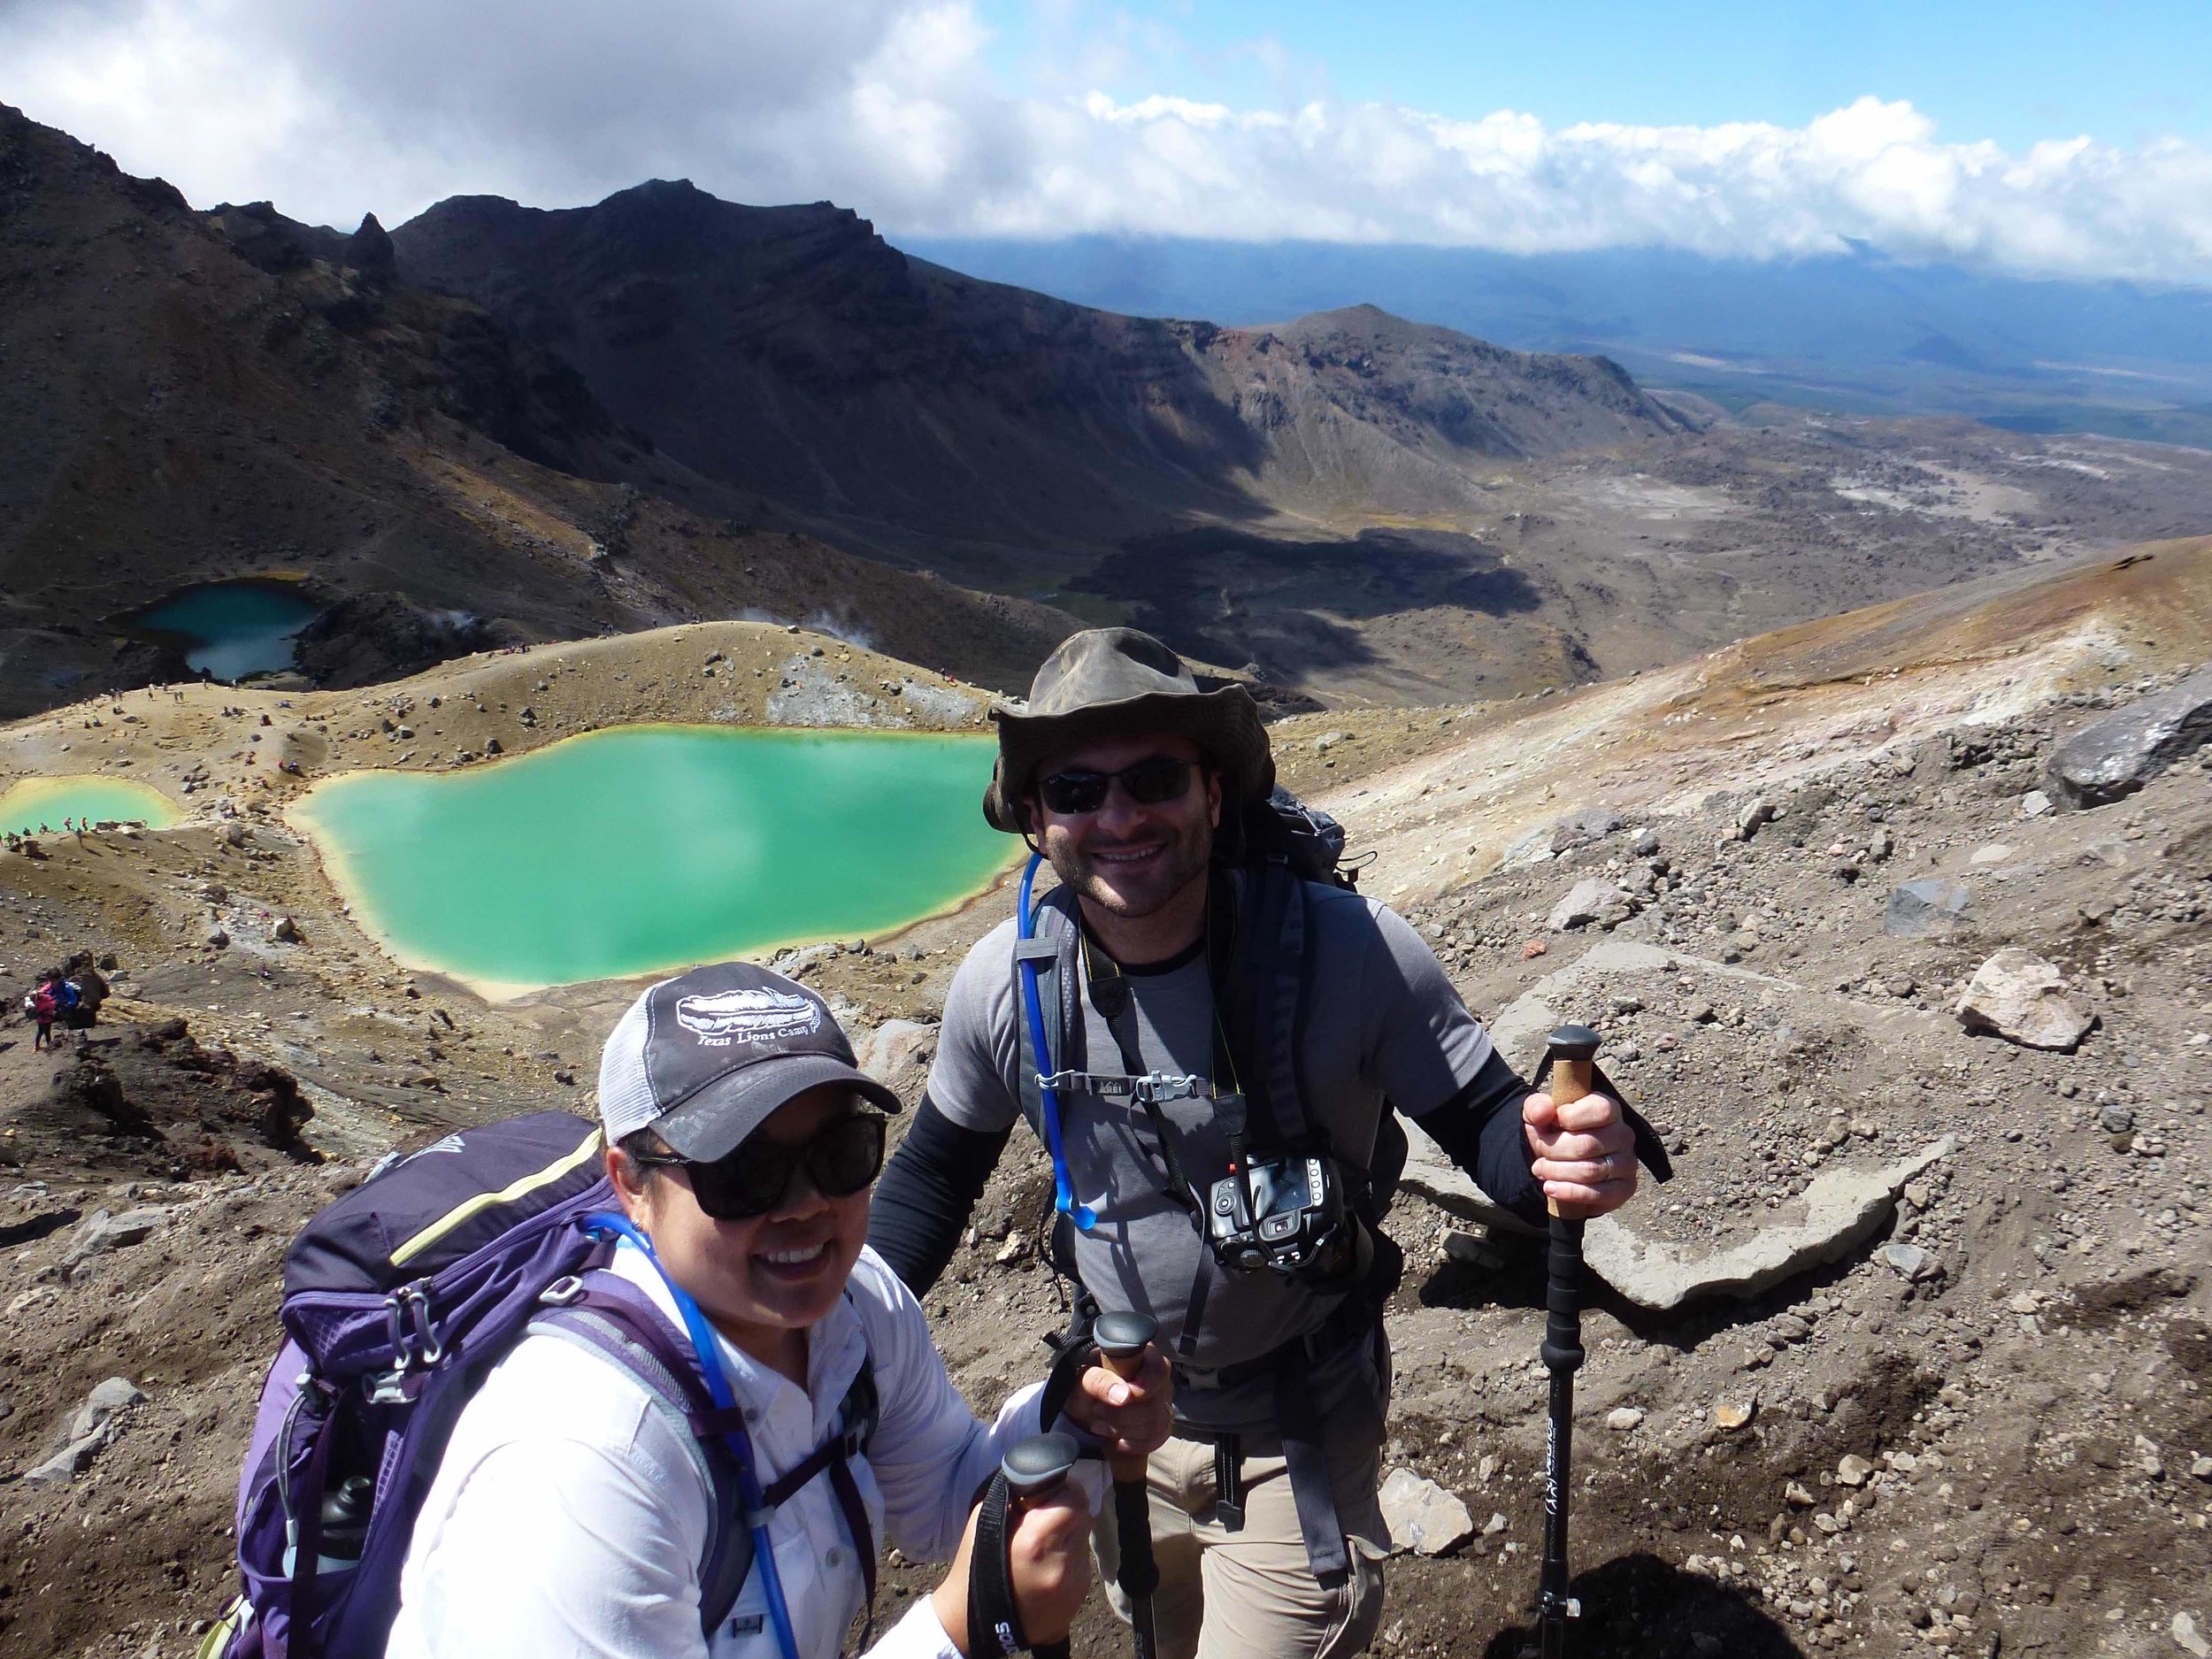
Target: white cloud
887,105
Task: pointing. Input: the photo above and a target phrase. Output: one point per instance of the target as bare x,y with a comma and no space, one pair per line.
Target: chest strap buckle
1150,1089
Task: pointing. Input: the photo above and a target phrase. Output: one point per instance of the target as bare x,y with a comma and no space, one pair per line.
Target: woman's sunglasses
840,1159
1154,780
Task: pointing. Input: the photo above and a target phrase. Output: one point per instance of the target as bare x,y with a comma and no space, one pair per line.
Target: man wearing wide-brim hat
1199,1021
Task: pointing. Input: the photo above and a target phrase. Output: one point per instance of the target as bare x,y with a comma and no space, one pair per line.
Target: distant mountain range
661,406
1859,333
499,423
984,429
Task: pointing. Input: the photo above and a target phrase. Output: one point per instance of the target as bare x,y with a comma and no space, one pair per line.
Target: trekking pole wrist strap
993,1621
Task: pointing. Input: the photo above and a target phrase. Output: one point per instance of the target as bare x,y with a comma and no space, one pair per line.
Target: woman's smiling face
765,1279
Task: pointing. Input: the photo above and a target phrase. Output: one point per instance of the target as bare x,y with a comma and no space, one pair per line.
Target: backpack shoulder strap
1265,1001
614,1319
1053,947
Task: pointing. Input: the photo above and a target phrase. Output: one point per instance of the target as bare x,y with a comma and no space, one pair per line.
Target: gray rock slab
898,1052
1532,848
2118,754
2017,996
1580,828
1587,900
1570,992
102,1231
64,1465
106,1400
1930,905
1839,1210
1424,1519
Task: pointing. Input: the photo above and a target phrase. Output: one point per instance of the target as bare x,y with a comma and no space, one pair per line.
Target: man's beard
1183,860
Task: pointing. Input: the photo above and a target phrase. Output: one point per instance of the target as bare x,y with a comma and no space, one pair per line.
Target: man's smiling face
1129,858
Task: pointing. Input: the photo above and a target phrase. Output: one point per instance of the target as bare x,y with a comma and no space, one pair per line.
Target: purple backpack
398,1298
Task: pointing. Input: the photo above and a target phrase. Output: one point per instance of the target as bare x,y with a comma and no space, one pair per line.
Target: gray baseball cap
704,1058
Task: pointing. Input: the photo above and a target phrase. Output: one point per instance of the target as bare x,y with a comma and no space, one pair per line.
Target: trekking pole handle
1034,1469
1574,1063
1037,1465
1122,1338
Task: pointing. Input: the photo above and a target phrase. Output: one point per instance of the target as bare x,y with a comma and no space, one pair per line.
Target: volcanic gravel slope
2025,1421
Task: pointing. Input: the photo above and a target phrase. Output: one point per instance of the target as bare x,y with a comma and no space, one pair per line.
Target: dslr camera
1287,1214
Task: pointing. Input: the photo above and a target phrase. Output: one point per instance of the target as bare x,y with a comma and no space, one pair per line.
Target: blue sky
2033,137
2012,72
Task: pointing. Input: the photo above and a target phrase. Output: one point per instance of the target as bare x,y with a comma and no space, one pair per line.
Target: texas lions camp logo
747,1016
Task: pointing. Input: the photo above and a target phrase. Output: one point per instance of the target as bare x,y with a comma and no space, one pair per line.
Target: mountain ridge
194,396
794,347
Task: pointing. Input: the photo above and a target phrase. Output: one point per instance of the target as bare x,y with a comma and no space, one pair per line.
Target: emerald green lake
653,847
232,629
35,801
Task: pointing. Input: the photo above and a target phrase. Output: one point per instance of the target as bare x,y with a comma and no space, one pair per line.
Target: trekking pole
1031,1471
1572,1061
1122,1338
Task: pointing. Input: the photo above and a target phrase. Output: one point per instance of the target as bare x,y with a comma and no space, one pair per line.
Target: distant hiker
1214,1042
573,1507
44,1007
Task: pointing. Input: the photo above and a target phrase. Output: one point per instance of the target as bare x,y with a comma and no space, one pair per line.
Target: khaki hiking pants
1250,1594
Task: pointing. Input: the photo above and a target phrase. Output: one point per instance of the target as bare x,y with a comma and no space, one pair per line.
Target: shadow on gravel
1637,1606
37,1228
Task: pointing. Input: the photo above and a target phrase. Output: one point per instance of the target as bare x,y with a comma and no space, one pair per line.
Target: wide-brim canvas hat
702,1059
1114,682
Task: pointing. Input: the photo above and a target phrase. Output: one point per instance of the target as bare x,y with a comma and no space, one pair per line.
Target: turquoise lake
653,847
232,629
35,802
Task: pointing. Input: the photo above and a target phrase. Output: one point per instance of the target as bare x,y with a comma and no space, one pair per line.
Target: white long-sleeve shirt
568,1518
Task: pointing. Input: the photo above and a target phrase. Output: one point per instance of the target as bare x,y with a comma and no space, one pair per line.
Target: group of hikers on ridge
712,1417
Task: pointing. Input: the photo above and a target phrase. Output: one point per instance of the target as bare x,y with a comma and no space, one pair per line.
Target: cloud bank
889,106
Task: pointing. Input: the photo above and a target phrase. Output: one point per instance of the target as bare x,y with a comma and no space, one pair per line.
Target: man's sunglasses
1154,780
840,1159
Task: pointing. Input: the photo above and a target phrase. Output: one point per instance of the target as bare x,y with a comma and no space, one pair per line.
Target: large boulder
2118,754
1424,1519
1591,899
2017,996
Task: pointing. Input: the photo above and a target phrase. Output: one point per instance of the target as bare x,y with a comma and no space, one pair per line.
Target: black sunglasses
1152,780
841,1158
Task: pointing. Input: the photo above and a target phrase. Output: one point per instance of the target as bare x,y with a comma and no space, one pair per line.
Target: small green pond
36,802
653,847
231,629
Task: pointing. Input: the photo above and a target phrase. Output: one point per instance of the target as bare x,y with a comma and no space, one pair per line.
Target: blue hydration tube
1062,1194
604,1223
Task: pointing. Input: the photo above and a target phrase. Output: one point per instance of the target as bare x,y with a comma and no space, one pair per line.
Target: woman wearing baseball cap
573,1511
